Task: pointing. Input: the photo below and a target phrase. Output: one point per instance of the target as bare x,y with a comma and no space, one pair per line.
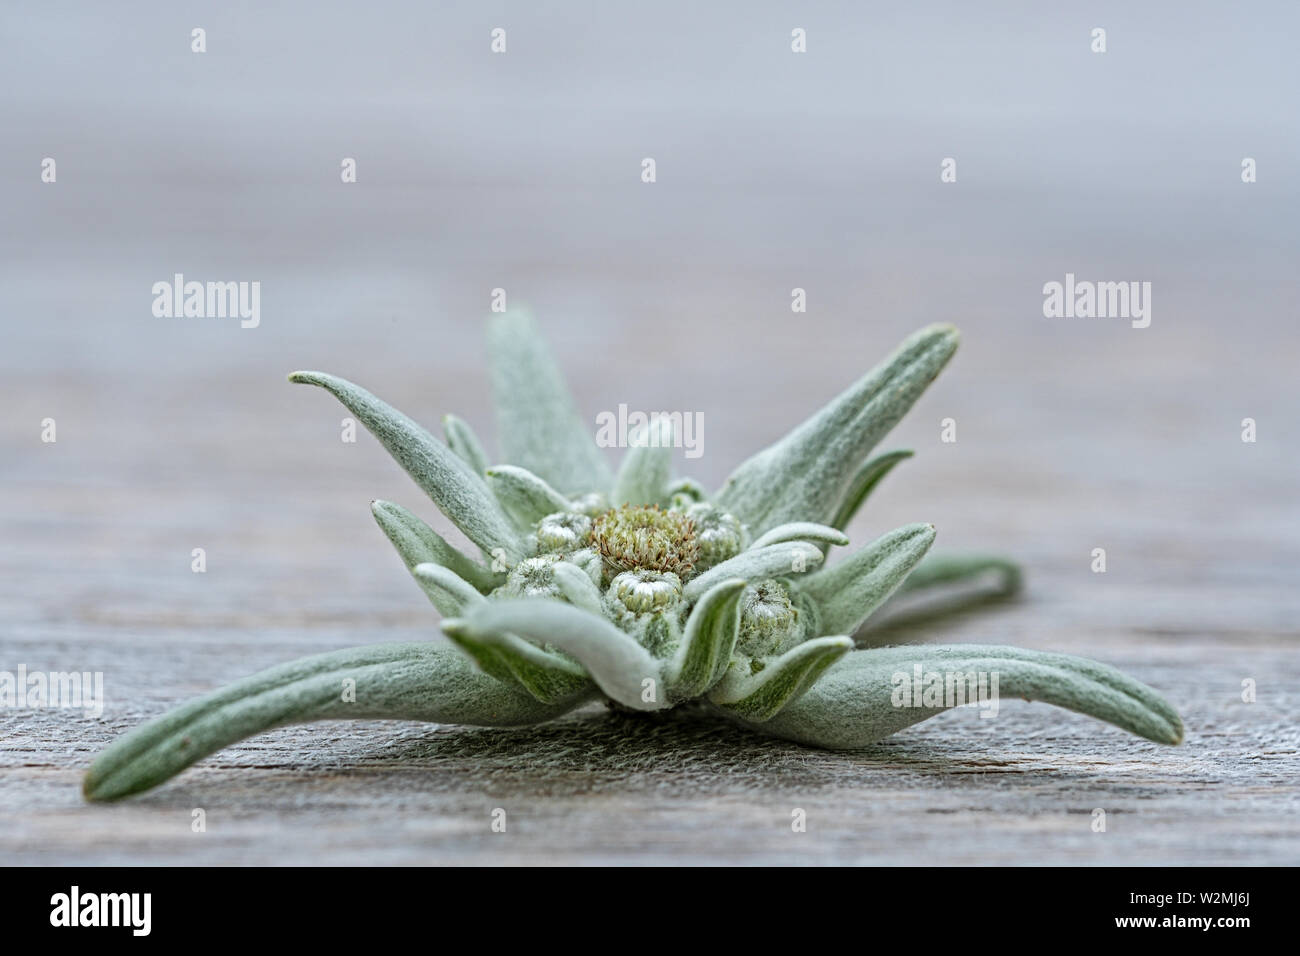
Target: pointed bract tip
1178,733
320,379
95,788
941,335
945,329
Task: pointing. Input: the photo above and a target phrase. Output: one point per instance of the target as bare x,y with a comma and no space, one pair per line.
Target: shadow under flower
597,749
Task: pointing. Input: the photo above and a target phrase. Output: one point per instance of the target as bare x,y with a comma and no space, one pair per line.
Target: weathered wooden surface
523,172
1197,597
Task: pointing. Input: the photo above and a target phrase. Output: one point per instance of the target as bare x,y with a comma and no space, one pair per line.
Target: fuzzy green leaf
759,697
546,676
939,570
417,543
806,475
459,492
802,531
538,421
524,496
775,560
450,594
462,440
940,587
847,593
710,637
853,705
643,477
576,585
392,681
864,482
617,663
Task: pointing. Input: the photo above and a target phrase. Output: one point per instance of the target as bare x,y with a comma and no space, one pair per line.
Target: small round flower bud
532,577
563,531
645,591
718,535
590,504
767,618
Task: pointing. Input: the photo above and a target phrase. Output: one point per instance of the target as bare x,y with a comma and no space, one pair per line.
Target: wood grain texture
1199,595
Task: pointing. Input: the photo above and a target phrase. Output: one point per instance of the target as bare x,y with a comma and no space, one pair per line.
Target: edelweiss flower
639,588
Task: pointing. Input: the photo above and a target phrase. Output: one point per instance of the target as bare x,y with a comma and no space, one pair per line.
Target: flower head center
646,538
